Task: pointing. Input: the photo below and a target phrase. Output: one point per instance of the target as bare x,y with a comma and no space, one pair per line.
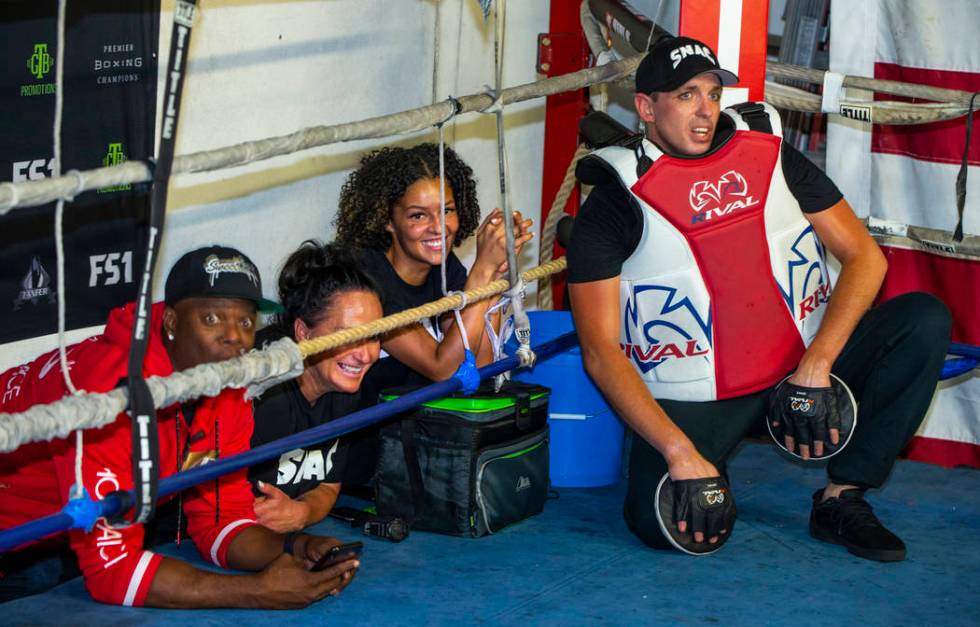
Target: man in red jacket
212,296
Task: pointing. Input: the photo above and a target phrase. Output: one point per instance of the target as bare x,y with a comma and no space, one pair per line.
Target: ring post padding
833,86
112,504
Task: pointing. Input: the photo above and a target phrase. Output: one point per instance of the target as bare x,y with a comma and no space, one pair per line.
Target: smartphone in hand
337,554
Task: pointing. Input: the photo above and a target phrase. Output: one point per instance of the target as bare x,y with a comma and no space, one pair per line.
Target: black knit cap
217,272
673,61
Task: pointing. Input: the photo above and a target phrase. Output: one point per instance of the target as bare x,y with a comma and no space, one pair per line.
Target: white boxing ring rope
257,370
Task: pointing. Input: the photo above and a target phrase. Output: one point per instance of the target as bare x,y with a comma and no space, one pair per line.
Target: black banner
109,113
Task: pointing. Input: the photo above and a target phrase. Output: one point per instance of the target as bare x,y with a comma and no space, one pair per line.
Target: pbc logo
715,199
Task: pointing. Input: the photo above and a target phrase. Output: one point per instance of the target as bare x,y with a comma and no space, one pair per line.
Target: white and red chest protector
729,282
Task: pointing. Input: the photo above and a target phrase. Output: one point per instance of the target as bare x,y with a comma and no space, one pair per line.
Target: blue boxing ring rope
78,514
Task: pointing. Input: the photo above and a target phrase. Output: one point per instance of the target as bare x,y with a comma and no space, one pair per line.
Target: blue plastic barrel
586,435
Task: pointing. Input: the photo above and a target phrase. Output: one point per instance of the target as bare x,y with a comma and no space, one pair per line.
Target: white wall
259,68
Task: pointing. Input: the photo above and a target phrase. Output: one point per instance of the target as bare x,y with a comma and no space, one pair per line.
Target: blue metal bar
114,503
957,366
964,350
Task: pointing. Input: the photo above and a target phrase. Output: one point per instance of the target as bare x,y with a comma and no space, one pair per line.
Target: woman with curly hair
390,210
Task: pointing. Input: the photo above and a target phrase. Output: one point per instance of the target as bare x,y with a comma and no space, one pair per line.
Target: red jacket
35,479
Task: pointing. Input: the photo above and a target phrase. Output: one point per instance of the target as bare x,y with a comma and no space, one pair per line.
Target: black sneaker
849,521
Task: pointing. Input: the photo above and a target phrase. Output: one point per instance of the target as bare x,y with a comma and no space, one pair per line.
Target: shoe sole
878,555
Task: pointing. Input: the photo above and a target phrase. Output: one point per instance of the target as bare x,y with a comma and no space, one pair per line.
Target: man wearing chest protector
699,282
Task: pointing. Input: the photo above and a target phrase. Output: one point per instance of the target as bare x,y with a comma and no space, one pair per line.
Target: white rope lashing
442,234
522,325
78,487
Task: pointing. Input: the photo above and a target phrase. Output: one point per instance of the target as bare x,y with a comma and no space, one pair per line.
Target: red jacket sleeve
217,511
116,568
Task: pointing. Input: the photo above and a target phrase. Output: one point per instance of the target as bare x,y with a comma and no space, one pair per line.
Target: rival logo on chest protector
714,199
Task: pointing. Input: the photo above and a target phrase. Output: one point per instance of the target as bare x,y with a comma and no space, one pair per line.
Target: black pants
891,363
36,569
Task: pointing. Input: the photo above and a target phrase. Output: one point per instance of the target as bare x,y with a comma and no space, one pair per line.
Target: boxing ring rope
117,502
546,249
39,192
257,370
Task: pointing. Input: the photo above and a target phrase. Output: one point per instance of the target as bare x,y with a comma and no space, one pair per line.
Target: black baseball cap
673,61
217,272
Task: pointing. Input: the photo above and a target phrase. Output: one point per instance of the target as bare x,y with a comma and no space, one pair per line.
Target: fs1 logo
32,170
109,269
659,327
714,199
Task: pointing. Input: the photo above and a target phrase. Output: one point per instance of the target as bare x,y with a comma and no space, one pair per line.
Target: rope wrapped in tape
280,360
257,370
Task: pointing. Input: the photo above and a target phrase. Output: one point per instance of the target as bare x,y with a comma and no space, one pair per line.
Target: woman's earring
170,335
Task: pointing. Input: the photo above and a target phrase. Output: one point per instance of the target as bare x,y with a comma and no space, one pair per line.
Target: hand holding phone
337,554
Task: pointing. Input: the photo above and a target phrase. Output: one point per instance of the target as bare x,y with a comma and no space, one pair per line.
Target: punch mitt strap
706,504
808,414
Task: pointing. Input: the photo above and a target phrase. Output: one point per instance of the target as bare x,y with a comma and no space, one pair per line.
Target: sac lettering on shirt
305,465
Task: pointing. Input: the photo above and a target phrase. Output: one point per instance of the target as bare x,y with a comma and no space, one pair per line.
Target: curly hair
312,277
370,192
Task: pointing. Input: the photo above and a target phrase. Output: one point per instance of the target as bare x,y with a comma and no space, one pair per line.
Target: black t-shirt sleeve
809,185
607,230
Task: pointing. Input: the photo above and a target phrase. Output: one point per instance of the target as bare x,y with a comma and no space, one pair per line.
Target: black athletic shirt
609,225
397,296
283,410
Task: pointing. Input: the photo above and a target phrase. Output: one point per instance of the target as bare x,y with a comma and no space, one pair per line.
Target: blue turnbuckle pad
468,373
83,511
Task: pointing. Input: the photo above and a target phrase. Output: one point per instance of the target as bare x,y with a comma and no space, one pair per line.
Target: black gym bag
466,465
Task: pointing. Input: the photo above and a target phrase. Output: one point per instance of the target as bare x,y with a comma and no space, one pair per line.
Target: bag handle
522,410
